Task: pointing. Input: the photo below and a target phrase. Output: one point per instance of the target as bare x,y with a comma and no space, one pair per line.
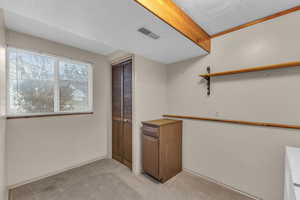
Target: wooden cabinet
162,148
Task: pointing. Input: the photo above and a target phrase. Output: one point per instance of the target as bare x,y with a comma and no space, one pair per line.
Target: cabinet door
127,110
150,156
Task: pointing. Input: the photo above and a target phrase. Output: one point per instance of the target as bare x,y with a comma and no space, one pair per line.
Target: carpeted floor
109,180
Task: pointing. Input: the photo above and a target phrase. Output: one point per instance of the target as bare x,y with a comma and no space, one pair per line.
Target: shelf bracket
207,78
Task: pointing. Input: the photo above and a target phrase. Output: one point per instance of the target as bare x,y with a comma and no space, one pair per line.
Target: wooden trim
47,115
171,14
122,59
236,121
260,68
285,12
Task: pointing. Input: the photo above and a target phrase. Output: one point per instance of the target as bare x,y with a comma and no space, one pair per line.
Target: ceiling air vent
148,33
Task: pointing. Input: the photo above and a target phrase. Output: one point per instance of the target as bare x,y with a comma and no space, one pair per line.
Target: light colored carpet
109,180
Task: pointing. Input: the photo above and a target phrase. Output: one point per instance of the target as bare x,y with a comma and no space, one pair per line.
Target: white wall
248,158
2,63
3,191
39,146
149,99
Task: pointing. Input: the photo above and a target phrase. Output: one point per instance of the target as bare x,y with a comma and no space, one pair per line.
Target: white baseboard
221,184
55,172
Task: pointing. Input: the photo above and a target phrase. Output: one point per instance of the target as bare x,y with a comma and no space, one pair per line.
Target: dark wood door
122,112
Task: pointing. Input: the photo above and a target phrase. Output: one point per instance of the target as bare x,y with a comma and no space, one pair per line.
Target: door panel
127,99
117,112
150,156
122,112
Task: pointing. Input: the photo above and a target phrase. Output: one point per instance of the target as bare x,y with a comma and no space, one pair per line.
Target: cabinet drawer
151,131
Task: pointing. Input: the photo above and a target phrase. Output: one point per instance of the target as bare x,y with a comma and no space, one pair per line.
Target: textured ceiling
104,26
100,26
218,15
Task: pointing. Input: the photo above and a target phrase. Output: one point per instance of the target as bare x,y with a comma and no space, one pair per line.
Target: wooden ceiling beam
170,13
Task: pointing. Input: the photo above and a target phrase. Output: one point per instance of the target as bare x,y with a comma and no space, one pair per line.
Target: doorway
122,112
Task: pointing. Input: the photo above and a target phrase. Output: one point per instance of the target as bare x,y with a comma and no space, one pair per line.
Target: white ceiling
218,15
33,27
104,26
101,26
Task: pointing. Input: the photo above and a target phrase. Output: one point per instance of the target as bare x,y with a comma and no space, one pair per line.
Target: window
42,84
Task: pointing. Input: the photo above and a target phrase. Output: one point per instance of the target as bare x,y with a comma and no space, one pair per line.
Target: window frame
56,88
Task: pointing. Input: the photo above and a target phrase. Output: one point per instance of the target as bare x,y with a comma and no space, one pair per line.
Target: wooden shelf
236,121
253,69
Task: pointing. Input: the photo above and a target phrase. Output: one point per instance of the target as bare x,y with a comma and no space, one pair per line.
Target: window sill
46,115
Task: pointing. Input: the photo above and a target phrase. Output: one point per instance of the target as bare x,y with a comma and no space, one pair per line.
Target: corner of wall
3,178
149,99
